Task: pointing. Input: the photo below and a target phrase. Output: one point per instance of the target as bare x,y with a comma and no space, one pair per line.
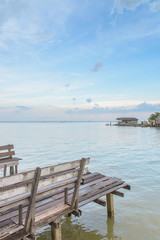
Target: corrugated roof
127,119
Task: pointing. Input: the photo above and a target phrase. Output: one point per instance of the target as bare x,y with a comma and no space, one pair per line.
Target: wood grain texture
61,190
7,147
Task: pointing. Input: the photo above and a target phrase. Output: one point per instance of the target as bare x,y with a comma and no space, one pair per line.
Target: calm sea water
127,152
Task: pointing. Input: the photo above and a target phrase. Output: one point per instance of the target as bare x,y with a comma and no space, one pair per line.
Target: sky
83,60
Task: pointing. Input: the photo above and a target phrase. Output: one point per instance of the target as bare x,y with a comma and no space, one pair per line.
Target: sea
130,153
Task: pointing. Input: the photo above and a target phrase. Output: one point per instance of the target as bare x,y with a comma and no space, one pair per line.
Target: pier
33,199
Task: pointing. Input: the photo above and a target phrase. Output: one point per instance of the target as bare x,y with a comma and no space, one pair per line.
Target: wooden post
11,170
74,203
110,229
5,170
20,215
56,230
30,218
16,169
110,205
66,195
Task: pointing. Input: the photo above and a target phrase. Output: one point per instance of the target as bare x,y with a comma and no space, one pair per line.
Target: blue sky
79,60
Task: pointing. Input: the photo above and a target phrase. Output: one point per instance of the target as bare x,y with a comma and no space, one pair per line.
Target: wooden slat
54,201
58,195
6,194
7,154
53,217
16,232
24,176
98,195
6,147
9,162
50,212
99,186
100,202
95,191
40,195
91,177
45,192
118,193
8,230
30,181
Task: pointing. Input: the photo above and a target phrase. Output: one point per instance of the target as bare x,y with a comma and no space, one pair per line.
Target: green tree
154,116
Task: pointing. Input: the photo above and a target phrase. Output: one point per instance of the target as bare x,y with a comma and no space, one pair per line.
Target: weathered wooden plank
9,230
104,188
5,222
91,177
101,194
118,193
52,217
45,171
61,194
44,221
7,194
99,186
100,202
7,147
18,234
9,162
96,191
23,199
7,154
57,194
50,212
31,208
13,213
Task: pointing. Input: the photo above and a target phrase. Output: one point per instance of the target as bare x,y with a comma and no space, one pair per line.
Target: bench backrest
6,152
18,189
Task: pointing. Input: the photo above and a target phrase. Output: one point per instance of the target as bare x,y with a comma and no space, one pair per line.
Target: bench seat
57,194
7,160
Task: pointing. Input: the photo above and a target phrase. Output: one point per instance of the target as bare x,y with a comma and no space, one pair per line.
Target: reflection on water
73,230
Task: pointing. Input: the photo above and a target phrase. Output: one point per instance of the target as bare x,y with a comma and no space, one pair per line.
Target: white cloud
155,6
121,5
33,20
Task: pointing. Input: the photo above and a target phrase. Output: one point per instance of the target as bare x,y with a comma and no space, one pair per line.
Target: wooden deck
25,207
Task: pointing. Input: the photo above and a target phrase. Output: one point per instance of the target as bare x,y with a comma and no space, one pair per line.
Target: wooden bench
7,160
33,199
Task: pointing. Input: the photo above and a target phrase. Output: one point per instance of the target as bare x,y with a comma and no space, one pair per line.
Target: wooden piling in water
110,205
56,230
